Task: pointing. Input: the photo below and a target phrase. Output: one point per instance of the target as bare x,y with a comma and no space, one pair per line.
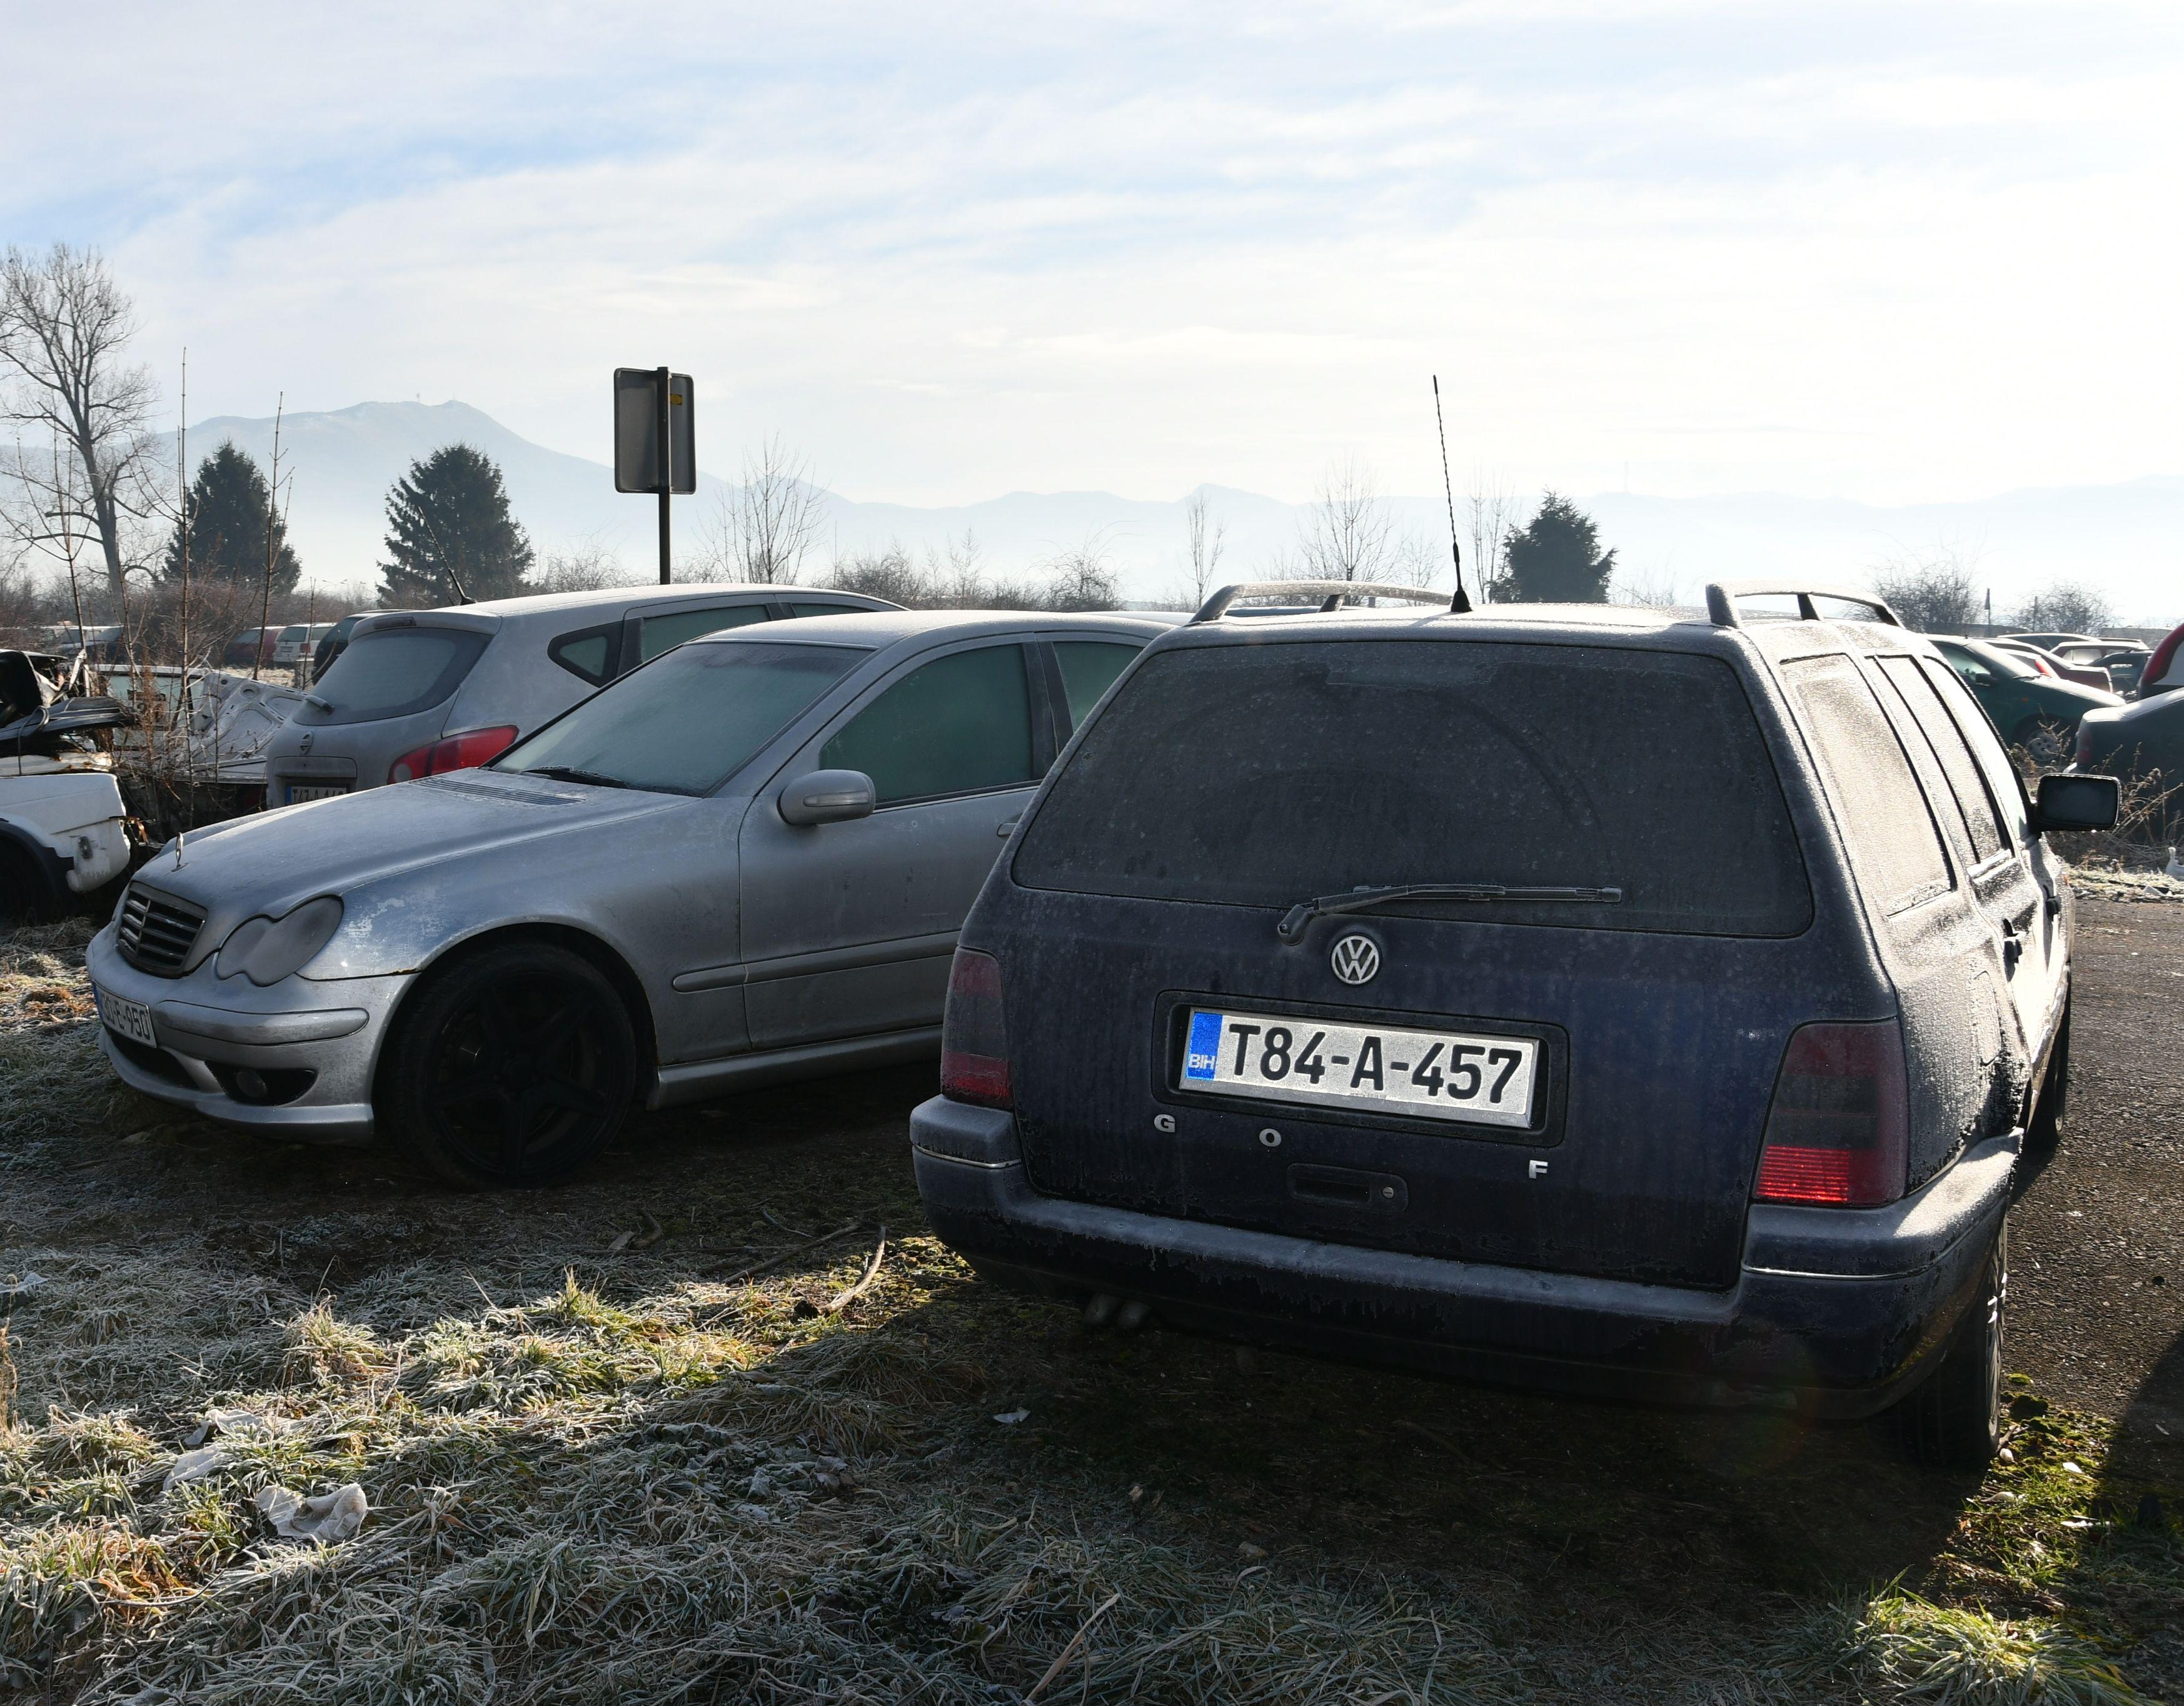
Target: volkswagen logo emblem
1355,960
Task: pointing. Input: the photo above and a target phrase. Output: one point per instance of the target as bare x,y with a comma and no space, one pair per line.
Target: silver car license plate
1485,1080
298,792
124,1017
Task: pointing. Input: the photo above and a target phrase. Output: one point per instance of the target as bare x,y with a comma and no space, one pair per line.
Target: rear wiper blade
563,774
1359,899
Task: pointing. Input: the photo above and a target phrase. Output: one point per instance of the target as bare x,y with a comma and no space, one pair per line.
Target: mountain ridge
2126,538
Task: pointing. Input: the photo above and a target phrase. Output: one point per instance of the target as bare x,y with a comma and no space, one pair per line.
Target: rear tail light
1836,1131
974,1043
464,751
2083,753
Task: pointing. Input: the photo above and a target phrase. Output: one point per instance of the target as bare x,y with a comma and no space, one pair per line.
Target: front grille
156,934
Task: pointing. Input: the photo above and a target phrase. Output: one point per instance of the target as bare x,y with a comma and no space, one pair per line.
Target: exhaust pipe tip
1131,1316
1100,1309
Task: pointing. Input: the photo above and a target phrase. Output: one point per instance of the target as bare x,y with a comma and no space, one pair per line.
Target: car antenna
1458,605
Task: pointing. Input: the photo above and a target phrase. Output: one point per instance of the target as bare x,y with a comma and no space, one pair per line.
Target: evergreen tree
450,512
1556,559
226,510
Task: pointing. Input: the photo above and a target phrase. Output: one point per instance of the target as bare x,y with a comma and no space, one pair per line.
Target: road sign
652,407
637,406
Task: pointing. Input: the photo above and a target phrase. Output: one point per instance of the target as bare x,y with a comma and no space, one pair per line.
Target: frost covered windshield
686,722
1255,775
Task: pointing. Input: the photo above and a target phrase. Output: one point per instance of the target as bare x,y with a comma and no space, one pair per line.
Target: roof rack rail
1721,597
1330,594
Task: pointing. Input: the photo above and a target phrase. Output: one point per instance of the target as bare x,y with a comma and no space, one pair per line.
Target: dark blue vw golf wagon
1640,1004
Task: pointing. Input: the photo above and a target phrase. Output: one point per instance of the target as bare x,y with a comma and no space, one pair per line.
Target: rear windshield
395,672
687,721
1260,775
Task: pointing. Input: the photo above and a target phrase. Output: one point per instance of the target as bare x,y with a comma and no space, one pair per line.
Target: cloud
956,250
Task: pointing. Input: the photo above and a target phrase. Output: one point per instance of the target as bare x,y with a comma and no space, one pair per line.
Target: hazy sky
1892,252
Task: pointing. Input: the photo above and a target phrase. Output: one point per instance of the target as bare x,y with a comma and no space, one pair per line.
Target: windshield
688,722
1262,775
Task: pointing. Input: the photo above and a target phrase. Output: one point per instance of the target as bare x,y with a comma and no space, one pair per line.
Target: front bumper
209,1028
1835,1314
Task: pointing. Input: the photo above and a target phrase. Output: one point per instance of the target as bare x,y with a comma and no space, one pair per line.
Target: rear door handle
2013,946
1007,826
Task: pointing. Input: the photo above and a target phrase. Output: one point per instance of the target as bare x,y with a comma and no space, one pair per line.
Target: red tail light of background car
465,752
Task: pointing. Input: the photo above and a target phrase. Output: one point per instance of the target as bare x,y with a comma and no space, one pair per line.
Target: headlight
267,950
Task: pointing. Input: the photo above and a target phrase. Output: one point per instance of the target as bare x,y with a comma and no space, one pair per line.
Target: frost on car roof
880,627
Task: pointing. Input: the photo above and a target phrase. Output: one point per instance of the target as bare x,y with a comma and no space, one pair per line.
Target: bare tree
585,566
1933,592
1493,515
1207,537
1416,560
763,528
1655,587
2065,607
1344,536
64,327
1083,578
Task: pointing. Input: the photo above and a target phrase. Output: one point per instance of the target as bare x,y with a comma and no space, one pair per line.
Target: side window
589,653
1088,669
1968,668
1884,817
2005,792
663,632
958,725
1982,823
810,610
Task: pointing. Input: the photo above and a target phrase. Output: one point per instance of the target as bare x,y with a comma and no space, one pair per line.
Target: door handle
1007,826
2013,946
2052,902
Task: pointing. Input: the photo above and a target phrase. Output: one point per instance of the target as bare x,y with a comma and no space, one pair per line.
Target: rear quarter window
1895,844
1260,774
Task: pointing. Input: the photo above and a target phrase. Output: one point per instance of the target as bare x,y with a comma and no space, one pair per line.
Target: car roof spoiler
1721,597
1331,593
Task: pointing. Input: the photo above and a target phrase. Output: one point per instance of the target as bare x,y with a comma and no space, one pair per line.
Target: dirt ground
1273,1513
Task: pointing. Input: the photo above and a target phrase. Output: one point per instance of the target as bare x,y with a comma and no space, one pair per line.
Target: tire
511,1067
2043,1128
1952,1420
27,895
2051,741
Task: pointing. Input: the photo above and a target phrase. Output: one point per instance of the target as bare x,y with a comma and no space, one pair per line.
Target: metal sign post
655,441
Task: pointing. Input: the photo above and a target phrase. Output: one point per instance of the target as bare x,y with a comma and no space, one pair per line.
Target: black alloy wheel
513,1067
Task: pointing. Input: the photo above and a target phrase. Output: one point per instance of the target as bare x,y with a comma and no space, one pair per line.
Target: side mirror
2076,802
828,796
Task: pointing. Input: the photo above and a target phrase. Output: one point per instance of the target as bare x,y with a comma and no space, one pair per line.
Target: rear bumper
1835,1314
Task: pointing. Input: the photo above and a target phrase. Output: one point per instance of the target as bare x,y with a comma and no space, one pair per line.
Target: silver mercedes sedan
746,862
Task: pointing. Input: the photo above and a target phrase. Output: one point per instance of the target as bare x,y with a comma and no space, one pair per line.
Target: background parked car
336,642
2056,667
2140,742
419,693
252,645
746,862
2123,659
2032,711
296,642
2164,668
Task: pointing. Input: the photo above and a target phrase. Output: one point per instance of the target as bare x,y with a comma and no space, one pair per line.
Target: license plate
124,1017
1485,1080
299,792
